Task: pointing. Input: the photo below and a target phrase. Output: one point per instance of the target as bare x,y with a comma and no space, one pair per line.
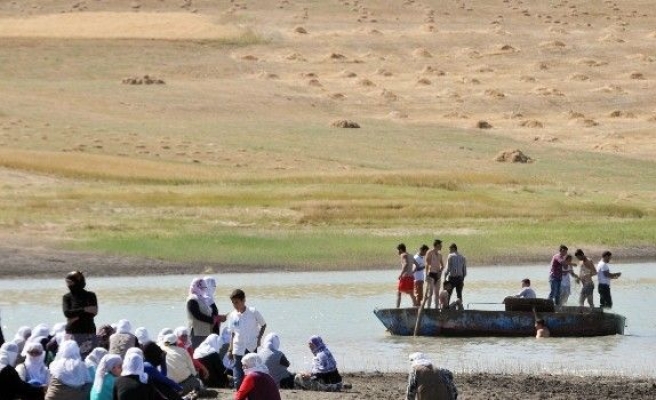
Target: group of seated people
42,364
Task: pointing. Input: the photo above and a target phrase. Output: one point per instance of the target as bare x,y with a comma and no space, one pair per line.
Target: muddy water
338,305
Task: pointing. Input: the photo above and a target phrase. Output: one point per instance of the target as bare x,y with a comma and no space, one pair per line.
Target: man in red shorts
406,277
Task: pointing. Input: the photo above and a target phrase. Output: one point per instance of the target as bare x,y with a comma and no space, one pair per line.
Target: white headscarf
123,326
163,334
40,330
134,365
23,333
198,288
35,365
210,284
180,331
253,363
226,334
419,359
58,327
8,354
170,339
93,359
135,350
211,344
68,366
105,365
271,341
142,335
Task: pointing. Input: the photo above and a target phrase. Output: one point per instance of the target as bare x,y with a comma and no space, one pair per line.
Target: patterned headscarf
198,288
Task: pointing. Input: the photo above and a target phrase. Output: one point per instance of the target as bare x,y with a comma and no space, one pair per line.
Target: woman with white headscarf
426,382
11,384
133,382
199,313
142,336
123,339
257,383
70,379
275,361
109,368
93,359
210,284
208,355
34,370
179,365
183,341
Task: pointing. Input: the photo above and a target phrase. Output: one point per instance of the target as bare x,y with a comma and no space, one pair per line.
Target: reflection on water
338,305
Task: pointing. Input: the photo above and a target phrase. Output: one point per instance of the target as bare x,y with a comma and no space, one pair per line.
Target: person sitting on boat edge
444,298
541,330
527,291
427,382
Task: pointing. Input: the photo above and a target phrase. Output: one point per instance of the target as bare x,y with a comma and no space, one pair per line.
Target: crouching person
426,382
257,383
324,375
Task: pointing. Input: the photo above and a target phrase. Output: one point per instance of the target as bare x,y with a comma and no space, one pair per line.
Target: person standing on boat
406,278
603,271
527,291
456,270
80,308
434,269
586,271
565,281
556,274
419,273
427,382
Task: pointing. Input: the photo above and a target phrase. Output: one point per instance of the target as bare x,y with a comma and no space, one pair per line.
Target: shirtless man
406,276
586,271
434,268
541,330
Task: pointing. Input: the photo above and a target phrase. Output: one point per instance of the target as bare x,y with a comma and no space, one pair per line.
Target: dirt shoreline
44,262
479,386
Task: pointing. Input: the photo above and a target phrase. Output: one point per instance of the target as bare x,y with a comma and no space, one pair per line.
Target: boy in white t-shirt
247,326
604,275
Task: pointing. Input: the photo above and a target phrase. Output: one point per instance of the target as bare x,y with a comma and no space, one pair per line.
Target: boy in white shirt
604,275
247,326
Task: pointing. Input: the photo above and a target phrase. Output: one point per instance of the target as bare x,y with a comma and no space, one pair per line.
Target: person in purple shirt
556,273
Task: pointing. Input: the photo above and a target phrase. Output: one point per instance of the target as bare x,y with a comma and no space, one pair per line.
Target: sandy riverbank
43,262
372,386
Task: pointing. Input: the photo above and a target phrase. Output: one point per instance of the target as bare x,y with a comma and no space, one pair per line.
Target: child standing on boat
406,277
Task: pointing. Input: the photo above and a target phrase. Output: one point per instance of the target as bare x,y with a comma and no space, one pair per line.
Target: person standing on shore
80,308
247,326
586,272
419,273
406,278
434,269
556,274
604,274
427,382
456,270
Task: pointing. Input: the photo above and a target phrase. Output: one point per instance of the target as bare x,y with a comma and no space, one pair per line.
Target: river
338,306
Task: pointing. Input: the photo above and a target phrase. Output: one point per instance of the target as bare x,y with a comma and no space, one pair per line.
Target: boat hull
574,322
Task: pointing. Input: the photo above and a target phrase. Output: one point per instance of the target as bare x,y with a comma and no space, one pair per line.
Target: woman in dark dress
133,382
80,308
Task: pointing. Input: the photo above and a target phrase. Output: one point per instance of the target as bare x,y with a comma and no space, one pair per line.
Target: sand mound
591,62
637,76
389,95
337,96
531,123
315,83
119,25
611,89
249,57
432,71
267,75
553,44
309,75
548,91
145,80
301,30
578,77
421,53
513,156
621,114
366,83
584,122
526,78
344,123
495,93
383,72
295,57
507,48
336,57
348,74
483,125
456,115
424,82
574,114
548,139
397,115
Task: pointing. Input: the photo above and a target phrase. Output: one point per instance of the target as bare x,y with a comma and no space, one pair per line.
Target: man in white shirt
247,326
527,292
604,275
419,272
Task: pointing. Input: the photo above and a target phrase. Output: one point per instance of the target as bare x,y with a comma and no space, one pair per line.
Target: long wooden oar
420,312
